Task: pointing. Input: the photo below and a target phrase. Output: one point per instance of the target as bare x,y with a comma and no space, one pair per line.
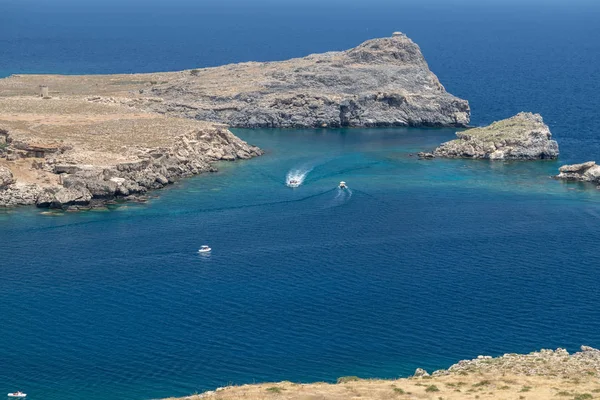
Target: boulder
420,372
63,197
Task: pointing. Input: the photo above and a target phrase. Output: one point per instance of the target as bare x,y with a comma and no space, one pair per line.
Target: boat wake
295,177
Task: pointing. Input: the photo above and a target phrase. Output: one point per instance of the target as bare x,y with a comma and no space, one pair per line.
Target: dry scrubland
537,376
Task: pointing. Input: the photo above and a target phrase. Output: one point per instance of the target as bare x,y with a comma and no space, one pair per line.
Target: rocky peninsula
541,375
522,137
72,142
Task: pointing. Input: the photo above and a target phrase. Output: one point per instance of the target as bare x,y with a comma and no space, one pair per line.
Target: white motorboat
19,395
204,249
293,183
343,185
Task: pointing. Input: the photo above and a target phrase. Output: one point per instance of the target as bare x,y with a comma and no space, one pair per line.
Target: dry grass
450,387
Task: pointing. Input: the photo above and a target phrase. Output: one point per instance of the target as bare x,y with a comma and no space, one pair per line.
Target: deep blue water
419,265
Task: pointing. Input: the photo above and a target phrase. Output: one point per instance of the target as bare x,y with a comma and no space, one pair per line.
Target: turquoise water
419,264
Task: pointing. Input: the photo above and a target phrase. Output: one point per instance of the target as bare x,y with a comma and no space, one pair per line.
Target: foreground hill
542,375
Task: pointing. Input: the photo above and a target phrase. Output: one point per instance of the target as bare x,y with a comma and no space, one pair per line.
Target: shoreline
539,375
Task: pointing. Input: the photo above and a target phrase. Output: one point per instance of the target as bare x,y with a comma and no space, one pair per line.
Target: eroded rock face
522,137
6,177
382,82
190,154
63,197
584,172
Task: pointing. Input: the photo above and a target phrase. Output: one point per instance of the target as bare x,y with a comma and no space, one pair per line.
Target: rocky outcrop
556,363
522,137
382,82
585,172
6,177
81,184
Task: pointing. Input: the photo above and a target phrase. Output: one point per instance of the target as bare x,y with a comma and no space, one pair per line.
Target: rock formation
522,137
382,82
585,172
113,152
6,177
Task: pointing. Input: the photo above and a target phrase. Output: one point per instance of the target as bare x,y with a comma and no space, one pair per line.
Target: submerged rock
522,137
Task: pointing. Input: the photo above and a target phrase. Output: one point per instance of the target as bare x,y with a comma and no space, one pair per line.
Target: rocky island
522,137
72,142
545,374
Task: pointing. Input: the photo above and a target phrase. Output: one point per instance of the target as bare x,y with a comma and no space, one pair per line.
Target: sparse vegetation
432,388
274,389
583,396
346,379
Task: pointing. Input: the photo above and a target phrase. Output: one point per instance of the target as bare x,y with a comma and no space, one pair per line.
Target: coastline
75,142
539,375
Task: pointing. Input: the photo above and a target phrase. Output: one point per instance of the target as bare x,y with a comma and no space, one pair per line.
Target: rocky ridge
522,137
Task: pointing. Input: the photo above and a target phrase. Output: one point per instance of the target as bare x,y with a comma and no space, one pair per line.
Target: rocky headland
522,137
68,153
72,142
382,82
542,375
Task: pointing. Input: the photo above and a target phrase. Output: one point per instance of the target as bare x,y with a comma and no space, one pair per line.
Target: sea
417,264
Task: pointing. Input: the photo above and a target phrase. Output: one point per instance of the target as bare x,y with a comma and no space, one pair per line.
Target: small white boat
343,185
204,249
293,183
18,395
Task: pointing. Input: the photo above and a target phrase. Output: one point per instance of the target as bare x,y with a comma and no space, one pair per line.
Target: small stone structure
44,92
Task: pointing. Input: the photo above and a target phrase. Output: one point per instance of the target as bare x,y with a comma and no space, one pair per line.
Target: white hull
17,395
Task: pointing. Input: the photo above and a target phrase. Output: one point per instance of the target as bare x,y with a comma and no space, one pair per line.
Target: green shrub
583,396
432,388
